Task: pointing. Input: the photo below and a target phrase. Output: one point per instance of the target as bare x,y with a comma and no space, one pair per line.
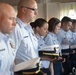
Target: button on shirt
7,56
26,42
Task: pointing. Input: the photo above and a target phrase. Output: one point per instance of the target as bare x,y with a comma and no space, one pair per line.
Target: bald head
7,18
27,10
25,2
4,8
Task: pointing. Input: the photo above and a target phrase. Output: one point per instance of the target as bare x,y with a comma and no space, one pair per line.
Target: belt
44,68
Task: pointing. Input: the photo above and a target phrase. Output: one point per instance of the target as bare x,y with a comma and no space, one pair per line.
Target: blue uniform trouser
57,68
67,65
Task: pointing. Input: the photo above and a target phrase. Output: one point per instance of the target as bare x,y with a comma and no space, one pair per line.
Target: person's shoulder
47,37
19,30
2,44
70,32
17,27
61,32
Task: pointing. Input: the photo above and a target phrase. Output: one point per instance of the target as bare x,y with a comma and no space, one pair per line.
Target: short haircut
66,19
74,21
24,2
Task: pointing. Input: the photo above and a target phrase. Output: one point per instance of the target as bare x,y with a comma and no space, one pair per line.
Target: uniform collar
52,34
64,31
1,36
38,37
21,24
7,36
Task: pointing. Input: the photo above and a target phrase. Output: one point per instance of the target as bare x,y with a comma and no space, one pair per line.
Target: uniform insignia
12,44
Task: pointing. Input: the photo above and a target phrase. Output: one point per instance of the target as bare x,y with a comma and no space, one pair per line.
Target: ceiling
15,2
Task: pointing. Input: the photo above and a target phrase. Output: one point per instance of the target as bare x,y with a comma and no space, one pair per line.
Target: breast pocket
26,44
25,41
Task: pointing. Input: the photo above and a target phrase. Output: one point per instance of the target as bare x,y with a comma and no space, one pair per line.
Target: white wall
49,10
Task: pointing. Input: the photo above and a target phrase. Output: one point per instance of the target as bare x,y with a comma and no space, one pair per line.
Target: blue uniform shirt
7,56
26,42
64,37
73,37
41,44
51,39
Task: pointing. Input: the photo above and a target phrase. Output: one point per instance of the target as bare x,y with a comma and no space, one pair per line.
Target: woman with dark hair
40,27
51,39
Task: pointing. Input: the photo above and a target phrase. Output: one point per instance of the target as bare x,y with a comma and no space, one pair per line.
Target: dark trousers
73,60
57,68
46,70
66,65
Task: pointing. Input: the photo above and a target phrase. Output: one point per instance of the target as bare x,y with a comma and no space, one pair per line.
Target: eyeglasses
35,10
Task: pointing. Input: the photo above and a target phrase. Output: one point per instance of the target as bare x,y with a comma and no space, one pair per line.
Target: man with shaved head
24,38
7,48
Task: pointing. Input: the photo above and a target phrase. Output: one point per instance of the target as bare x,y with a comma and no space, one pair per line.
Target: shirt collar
52,34
1,36
64,31
21,24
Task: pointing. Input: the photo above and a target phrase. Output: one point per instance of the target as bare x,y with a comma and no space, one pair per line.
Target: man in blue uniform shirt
65,39
23,35
7,48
